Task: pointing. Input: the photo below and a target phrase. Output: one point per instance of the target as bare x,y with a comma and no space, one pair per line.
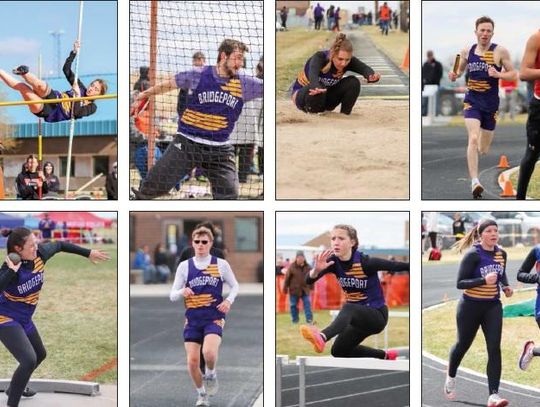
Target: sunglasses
200,242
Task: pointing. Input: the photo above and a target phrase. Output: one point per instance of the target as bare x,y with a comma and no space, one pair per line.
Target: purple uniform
202,315
327,79
215,104
61,111
490,261
482,98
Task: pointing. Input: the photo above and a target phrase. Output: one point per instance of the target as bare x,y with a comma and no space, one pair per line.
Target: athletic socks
201,391
475,181
210,372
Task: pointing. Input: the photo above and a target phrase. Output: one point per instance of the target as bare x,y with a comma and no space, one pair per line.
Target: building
242,235
299,6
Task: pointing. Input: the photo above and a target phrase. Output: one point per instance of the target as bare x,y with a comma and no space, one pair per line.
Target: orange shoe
313,335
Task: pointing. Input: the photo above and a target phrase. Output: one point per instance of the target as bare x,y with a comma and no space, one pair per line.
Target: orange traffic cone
503,162
508,190
405,63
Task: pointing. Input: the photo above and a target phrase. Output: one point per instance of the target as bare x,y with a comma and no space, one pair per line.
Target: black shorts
48,107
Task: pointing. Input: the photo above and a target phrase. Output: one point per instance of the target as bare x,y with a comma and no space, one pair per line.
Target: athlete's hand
508,291
374,78
492,72
98,255
321,261
12,265
316,91
76,90
224,307
491,278
76,46
187,292
452,76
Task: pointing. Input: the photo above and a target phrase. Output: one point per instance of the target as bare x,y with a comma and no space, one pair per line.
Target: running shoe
202,400
211,384
477,190
21,70
496,401
526,355
392,354
28,392
450,388
313,335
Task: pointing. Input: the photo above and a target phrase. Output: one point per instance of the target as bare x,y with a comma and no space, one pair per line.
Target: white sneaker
477,190
496,401
526,355
211,385
450,388
202,400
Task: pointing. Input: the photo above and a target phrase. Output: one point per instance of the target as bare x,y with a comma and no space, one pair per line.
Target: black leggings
346,92
528,162
470,316
353,324
29,352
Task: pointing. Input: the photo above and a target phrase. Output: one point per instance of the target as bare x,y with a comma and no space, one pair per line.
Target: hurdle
59,386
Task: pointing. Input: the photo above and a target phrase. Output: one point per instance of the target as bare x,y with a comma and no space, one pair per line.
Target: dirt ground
333,156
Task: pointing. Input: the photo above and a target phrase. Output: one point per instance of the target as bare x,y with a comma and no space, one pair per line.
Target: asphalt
337,387
438,282
444,161
107,398
393,81
158,372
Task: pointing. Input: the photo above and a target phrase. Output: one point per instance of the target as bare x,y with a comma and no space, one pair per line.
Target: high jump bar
35,102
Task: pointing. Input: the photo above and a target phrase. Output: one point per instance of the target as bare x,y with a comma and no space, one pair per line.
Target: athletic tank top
213,108
359,288
328,79
62,111
489,262
482,90
537,66
19,300
207,287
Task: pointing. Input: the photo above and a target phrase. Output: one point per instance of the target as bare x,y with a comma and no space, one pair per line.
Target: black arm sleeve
49,249
70,76
504,277
310,280
524,274
372,265
80,110
466,269
316,64
6,276
359,67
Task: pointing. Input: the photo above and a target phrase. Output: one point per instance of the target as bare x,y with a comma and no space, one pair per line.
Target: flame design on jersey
499,258
204,121
488,58
303,79
199,301
234,87
356,271
31,299
4,319
478,86
220,322
355,297
212,270
485,291
39,266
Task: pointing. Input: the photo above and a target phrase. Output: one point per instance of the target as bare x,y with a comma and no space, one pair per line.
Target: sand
333,156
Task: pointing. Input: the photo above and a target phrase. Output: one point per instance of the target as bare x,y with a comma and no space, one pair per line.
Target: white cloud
19,46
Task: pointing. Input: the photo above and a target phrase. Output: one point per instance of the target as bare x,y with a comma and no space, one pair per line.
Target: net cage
168,38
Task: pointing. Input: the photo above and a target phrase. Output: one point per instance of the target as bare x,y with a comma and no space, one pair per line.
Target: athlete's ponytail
341,43
473,235
15,237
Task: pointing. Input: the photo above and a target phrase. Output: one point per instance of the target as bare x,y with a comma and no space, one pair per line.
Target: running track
444,161
158,373
471,388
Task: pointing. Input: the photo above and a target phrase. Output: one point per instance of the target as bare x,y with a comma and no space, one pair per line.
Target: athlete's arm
470,261
49,249
372,265
509,73
363,69
229,278
462,65
7,275
177,289
528,70
322,265
524,273
316,64
252,87
508,291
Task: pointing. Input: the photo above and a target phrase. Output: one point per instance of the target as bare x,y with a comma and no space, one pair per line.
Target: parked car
529,224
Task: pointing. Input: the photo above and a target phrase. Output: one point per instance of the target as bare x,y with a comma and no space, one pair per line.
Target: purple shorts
196,331
28,326
488,120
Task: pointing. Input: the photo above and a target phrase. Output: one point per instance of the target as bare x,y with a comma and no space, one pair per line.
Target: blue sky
448,26
379,229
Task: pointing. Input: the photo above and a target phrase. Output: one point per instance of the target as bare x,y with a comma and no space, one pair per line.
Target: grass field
533,190
76,318
290,342
394,45
439,335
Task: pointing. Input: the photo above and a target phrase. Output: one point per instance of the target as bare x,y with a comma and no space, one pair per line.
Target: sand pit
333,156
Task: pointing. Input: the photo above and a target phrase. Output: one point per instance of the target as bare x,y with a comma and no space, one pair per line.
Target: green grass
394,45
439,335
290,342
76,317
533,189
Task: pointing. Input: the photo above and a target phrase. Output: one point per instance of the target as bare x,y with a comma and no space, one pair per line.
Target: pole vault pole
40,140
72,126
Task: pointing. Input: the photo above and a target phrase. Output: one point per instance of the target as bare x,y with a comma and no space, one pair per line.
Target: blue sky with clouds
379,229
448,26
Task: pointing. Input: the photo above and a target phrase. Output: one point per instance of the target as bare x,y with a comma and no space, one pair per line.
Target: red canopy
77,219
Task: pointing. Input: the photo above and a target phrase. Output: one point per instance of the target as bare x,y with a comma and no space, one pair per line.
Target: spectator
143,82
161,262
144,262
198,60
297,288
458,227
279,266
336,20
30,180
432,72
53,183
65,231
330,18
310,17
384,18
283,15
432,219
318,14
46,226
369,18
111,184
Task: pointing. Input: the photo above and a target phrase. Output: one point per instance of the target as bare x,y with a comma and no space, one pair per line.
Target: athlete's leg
192,351
345,92
18,344
484,142
220,166
492,328
309,103
210,350
532,152
473,130
39,86
468,323
341,322
26,91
